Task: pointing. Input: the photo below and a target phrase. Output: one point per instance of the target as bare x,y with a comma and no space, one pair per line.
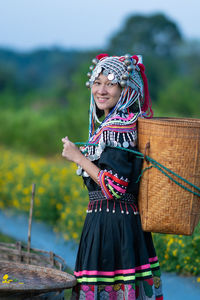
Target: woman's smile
102,100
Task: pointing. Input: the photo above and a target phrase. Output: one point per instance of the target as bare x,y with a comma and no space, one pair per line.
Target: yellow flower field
60,197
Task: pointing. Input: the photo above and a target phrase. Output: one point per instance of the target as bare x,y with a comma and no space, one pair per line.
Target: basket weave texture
34,278
164,206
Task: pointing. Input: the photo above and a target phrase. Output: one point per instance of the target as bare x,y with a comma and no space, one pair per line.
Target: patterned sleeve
116,169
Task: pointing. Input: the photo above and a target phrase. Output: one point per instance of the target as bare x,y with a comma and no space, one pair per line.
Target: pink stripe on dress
143,267
112,273
119,189
105,273
152,259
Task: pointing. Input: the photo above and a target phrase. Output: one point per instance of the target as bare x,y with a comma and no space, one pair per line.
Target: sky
84,24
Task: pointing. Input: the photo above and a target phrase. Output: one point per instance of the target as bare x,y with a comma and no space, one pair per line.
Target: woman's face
106,94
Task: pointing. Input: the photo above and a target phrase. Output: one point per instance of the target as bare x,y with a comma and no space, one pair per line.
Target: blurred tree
189,60
148,35
160,72
181,98
78,98
7,79
157,39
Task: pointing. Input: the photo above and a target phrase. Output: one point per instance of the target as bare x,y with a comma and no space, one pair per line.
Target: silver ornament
89,74
85,174
125,76
123,83
111,76
125,144
108,143
99,69
127,56
133,144
127,62
79,171
87,84
102,144
95,61
98,151
130,68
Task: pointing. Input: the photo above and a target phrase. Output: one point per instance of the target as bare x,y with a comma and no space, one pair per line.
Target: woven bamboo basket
19,263
166,207
30,280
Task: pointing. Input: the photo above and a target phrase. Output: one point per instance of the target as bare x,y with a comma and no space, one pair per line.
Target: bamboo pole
30,220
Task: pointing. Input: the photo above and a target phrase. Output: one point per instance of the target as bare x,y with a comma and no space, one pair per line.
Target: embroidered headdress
118,129
128,72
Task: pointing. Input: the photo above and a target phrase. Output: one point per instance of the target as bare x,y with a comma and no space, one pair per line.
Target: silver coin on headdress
111,76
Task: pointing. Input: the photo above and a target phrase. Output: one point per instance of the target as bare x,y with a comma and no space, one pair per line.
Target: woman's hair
99,112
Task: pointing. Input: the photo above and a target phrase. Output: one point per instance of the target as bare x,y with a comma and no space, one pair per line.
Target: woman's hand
70,151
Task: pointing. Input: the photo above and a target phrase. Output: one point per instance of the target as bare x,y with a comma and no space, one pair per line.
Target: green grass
6,239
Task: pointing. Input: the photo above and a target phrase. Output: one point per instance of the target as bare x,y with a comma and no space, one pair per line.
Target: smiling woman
116,259
106,94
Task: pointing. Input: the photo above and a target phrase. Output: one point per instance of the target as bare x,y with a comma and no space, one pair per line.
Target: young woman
116,259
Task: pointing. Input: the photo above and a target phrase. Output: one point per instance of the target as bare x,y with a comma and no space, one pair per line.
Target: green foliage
6,239
179,253
34,119
158,40
181,97
39,132
40,68
160,72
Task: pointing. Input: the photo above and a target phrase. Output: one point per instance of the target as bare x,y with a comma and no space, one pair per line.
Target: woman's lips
102,100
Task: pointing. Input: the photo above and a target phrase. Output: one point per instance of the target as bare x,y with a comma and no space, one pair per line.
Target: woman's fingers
65,139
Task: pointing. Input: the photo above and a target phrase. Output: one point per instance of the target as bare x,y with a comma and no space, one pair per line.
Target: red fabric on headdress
136,58
147,101
101,55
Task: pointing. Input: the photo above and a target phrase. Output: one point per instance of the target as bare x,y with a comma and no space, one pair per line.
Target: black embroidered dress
116,259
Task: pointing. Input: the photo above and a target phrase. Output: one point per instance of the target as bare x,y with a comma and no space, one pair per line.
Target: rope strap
156,165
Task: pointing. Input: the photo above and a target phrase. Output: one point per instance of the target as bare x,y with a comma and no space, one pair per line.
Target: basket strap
157,165
174,180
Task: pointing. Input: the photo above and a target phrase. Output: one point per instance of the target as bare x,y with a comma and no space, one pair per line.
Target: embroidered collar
118,130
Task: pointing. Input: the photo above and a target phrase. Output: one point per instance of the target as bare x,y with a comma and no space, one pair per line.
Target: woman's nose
102,89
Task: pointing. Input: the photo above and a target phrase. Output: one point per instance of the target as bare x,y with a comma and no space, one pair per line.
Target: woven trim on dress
127,203
111,185
98,195
119,276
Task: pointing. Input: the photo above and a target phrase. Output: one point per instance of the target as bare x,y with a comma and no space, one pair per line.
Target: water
43,237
